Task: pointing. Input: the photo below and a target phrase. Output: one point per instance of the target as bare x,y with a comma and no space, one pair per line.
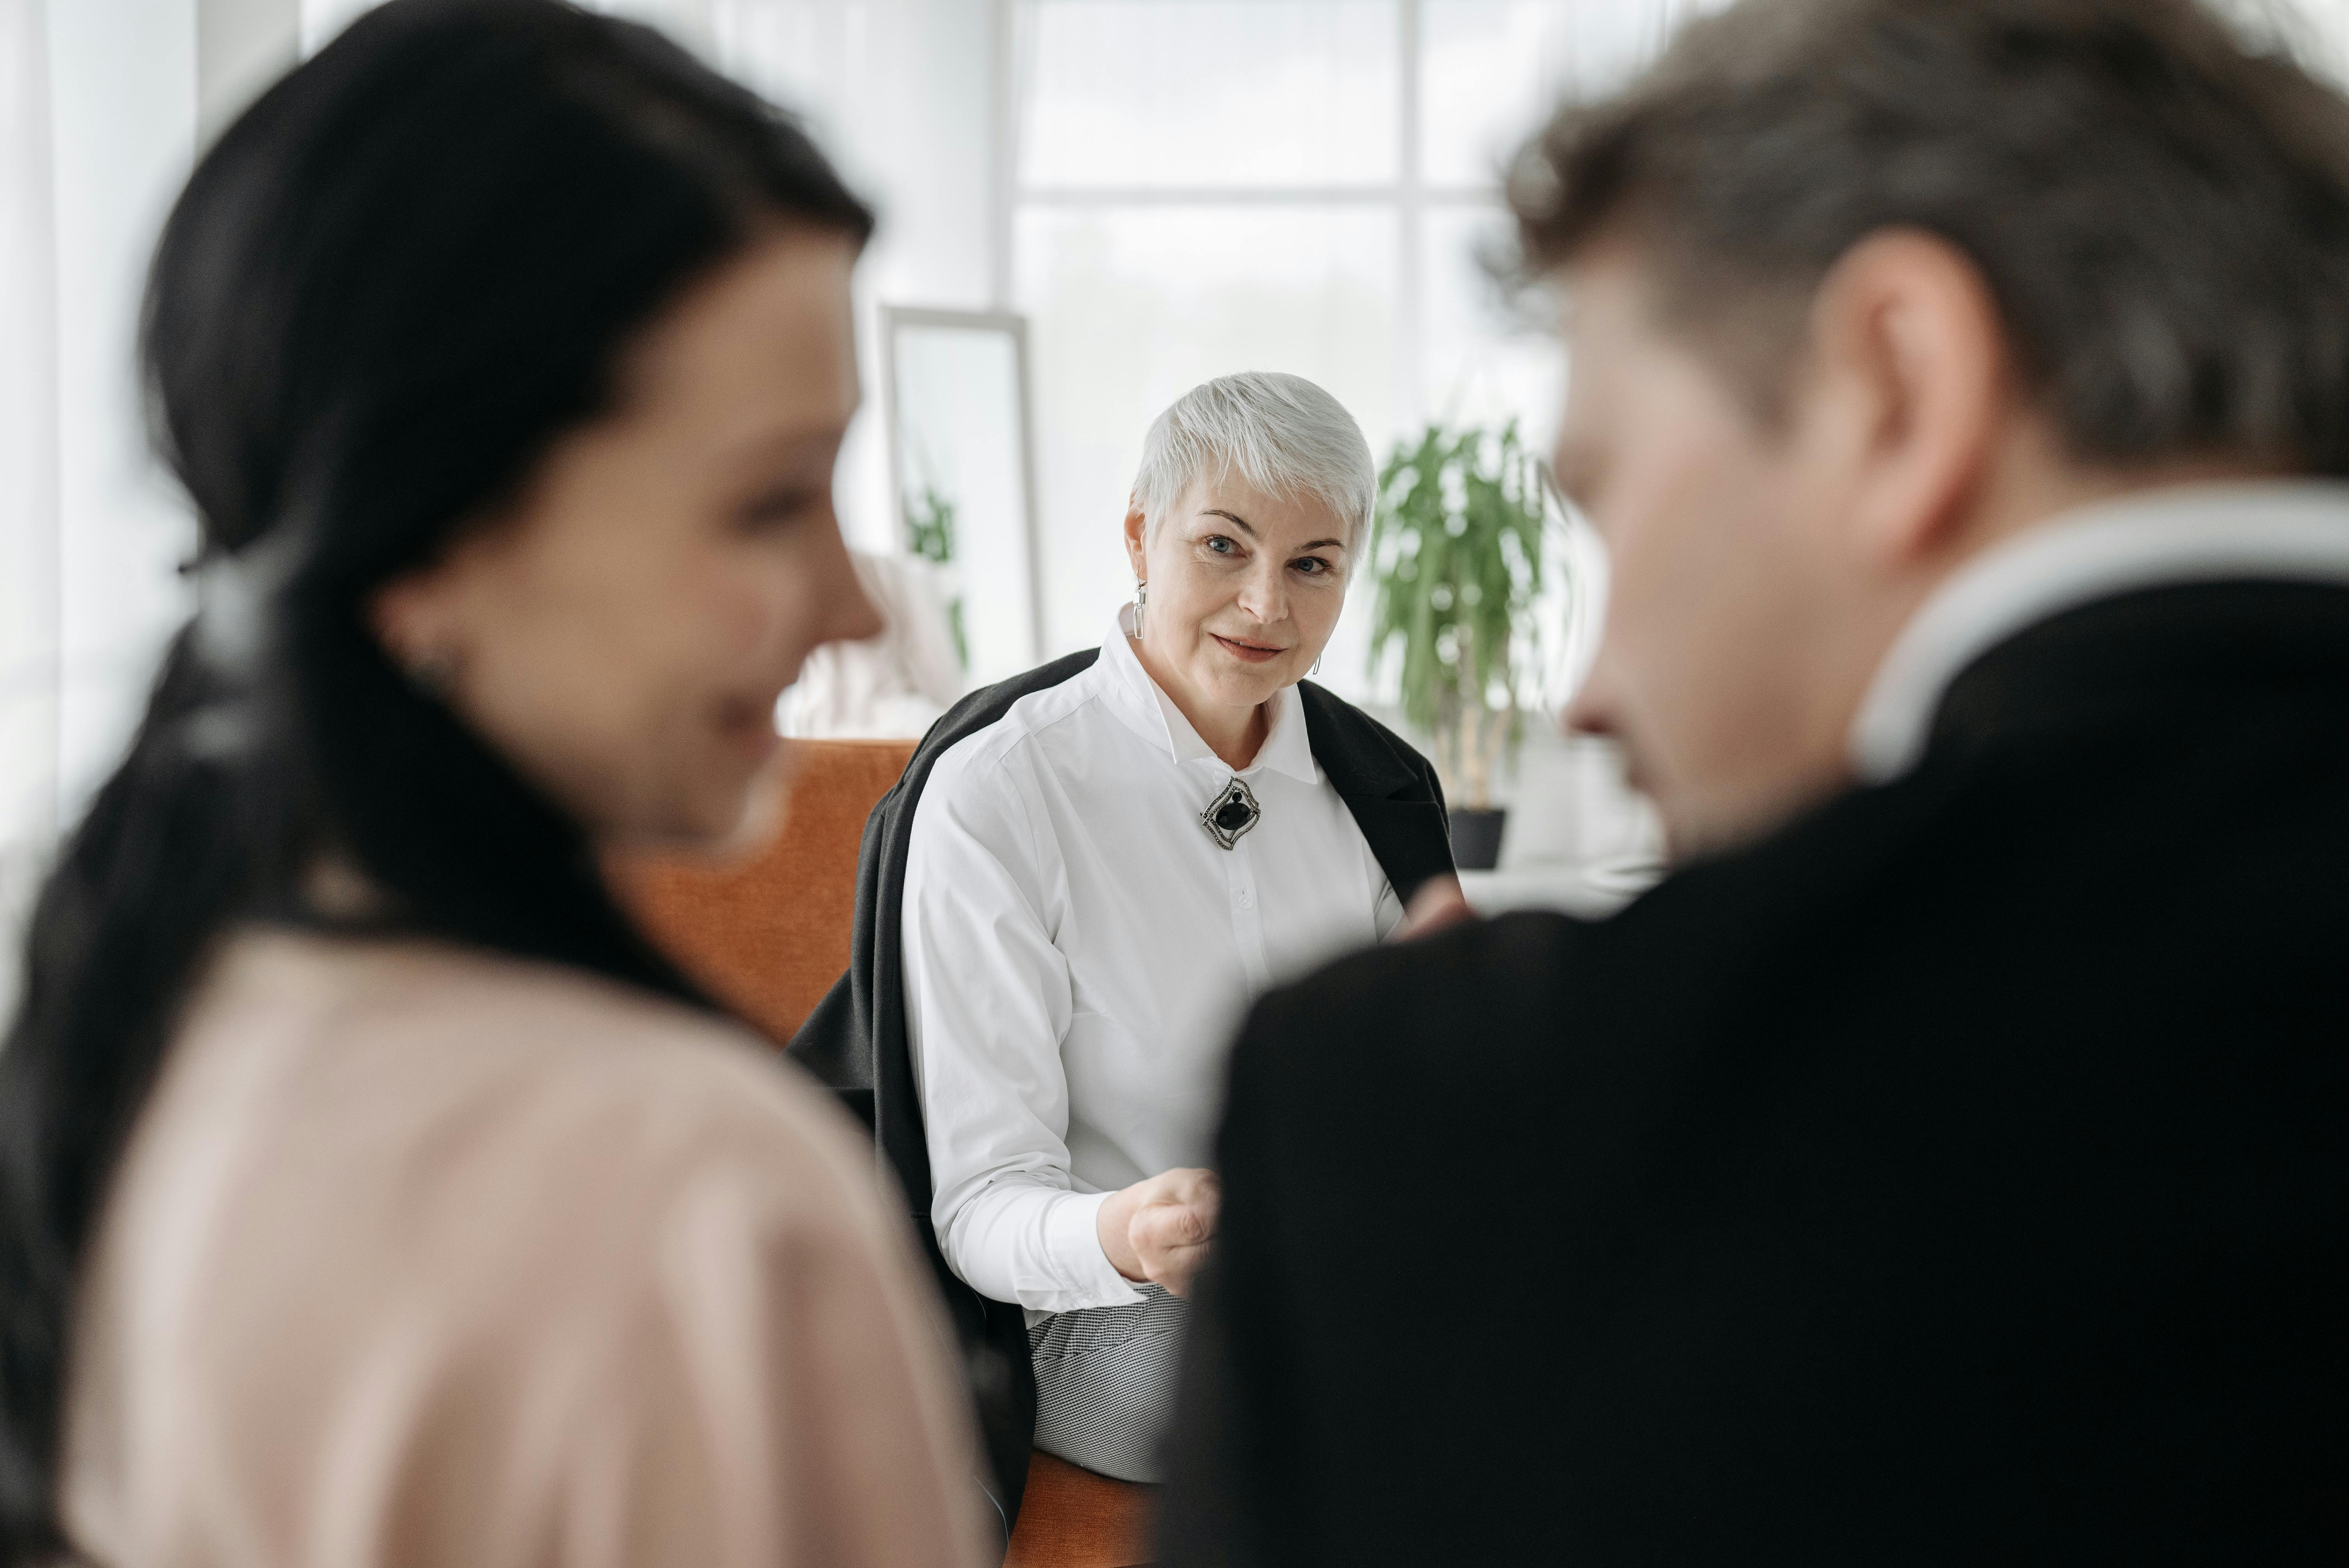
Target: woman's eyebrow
1250,528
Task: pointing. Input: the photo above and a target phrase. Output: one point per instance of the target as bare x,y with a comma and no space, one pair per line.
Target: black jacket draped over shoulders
854,1041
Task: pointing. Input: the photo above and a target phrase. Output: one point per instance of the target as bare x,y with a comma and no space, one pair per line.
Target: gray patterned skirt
1105,1383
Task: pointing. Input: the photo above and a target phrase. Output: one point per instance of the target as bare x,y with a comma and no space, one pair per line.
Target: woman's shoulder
1361,755
991,758
461,1193
510,1149
531,1075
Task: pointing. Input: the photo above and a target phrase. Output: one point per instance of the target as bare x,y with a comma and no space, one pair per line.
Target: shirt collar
2294,530
1150,713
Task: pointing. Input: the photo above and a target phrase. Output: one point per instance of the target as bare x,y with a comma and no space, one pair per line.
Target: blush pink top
420,1256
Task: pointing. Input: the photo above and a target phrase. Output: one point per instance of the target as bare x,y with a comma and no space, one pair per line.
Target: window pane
1155,93
1482,360
1491,69
1130,307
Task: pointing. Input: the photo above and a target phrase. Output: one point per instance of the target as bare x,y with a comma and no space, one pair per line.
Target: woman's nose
1265,596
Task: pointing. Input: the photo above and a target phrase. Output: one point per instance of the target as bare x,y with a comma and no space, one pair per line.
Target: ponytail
163,857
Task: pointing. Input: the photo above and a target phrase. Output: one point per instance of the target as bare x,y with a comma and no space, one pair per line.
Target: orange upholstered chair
1072,1518
769,935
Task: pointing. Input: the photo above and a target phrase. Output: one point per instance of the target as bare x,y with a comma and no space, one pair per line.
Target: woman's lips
1254,653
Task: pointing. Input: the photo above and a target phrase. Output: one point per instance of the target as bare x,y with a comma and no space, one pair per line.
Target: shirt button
1247,898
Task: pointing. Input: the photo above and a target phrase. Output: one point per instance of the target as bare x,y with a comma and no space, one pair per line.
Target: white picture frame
954,389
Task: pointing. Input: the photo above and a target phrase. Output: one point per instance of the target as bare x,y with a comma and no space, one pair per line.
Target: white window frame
1408,196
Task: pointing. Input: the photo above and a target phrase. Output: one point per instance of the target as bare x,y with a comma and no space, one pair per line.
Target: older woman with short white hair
1102,874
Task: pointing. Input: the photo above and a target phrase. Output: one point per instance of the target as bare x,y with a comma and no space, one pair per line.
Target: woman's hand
1159,1228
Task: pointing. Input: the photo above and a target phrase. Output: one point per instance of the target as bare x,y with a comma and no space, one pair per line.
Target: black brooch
1231,814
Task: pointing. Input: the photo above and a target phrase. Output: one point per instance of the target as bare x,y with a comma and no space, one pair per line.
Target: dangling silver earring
1141,603
1316,666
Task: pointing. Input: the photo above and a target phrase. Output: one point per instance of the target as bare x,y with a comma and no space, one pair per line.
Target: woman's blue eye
1221,545
1312,566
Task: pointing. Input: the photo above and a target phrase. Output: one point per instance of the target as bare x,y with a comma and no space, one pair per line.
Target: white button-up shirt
1079,949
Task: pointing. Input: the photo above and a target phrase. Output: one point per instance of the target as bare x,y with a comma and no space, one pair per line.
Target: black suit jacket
1960,1175
854,1041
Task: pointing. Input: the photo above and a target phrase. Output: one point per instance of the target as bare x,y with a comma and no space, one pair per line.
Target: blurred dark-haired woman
370,1193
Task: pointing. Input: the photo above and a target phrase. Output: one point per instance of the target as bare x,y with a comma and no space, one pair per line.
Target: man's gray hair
2158,198
1282,434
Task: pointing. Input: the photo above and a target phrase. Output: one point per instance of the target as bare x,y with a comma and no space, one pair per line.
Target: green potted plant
1457,553
930,524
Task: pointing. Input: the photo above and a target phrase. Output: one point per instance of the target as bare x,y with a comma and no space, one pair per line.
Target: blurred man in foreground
1951,1160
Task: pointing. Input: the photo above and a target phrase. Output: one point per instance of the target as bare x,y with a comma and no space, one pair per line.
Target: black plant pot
1476,838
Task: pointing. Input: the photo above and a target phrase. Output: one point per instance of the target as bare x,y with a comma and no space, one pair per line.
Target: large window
1206,186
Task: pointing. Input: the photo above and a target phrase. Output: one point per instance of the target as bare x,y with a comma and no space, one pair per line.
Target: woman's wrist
1114,1225
1158,1229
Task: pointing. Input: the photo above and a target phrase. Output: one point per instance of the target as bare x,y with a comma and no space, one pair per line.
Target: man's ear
1137,531
1906,325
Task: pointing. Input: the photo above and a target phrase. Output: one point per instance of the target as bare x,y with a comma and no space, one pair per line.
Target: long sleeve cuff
1035,1245
1073,1237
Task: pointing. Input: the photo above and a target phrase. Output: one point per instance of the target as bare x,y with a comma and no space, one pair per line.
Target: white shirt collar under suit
2290,531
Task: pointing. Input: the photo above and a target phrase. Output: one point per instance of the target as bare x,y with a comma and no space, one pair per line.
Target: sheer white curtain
122,126
28,469
96,126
